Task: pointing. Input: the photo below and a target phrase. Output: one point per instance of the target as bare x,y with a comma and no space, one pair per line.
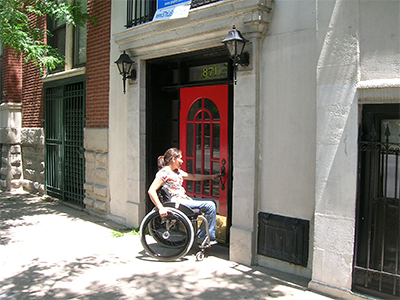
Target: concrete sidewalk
52,251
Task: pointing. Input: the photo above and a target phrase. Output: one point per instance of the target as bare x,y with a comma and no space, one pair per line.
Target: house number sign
208,72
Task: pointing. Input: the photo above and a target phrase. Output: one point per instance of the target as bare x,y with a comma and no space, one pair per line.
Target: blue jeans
209,208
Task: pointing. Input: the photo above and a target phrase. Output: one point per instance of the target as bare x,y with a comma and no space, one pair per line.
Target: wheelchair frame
170,238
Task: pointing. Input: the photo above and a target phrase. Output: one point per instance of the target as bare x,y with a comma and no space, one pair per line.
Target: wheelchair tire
166,238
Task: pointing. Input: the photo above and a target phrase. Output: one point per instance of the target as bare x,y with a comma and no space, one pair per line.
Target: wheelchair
170,238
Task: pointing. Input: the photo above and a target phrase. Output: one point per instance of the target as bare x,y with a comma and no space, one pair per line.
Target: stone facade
22,152
10,141
33,154
97,198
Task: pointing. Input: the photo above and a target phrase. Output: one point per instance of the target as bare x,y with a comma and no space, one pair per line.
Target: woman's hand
163,211
215,176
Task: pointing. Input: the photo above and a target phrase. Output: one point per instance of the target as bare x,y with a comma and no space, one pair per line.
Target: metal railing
142,11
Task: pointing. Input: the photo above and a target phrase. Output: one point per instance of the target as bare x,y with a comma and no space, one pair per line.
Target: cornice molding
379,91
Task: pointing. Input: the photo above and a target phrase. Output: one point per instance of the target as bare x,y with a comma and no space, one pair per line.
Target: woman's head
171,153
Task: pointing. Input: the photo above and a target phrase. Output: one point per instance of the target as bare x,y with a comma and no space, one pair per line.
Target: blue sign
167,3
177,9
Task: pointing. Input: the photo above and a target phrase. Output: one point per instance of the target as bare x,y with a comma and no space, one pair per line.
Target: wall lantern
235,43
125,64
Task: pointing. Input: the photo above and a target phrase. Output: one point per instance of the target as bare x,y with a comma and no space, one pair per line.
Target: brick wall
11,76
97,65
32,93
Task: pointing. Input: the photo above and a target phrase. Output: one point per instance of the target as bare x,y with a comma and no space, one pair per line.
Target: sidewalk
51,251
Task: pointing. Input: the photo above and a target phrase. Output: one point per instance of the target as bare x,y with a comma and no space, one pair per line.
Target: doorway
64,124
377,245
171,83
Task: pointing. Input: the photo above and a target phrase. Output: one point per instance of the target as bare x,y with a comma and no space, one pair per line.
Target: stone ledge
33,186
338,293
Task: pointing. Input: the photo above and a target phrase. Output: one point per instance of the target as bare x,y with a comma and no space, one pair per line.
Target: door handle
223,173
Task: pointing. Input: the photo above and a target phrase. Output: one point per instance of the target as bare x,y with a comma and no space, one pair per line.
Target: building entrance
64,124
188,106
377,248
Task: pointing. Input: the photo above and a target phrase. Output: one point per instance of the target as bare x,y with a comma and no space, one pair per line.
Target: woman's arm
200,177
156,184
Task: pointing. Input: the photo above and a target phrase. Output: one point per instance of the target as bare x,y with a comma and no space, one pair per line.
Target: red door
204,143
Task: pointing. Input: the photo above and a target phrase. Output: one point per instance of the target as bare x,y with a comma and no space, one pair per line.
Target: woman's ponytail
160,162
171,153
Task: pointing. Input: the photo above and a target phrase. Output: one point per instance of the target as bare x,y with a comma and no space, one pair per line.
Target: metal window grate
142,11
283,238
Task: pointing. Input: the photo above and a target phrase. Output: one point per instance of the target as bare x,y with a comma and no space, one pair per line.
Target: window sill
64,74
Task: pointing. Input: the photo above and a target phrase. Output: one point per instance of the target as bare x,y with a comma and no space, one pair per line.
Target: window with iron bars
142,11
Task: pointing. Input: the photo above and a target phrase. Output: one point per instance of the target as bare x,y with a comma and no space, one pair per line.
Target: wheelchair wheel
166,238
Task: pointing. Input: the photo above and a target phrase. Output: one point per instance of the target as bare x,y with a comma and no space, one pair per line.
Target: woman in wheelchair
167,225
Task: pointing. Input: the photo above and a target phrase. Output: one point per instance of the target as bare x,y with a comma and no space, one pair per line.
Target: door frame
164,78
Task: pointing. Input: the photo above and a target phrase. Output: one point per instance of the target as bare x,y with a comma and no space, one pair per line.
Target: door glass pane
206,187
199,116
216,139
210,105
198,148
190,139
390,132
198,187
194,109
206,147
206,116
215,183
392,128
190,170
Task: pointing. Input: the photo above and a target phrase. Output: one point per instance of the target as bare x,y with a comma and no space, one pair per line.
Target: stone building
308,135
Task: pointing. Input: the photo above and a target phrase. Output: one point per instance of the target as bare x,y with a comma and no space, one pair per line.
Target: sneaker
214,242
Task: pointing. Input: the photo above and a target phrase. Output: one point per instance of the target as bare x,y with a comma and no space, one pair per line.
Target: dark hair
171,153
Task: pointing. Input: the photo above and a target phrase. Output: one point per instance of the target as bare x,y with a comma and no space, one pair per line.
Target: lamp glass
124,64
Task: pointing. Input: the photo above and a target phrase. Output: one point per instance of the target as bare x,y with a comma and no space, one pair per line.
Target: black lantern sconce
235,43
125,64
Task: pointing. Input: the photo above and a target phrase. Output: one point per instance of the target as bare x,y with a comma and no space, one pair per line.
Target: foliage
18,31
120,233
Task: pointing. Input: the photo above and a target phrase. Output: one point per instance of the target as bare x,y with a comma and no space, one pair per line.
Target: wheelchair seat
165,198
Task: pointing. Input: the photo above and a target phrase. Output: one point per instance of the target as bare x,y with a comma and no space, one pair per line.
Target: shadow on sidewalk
15,207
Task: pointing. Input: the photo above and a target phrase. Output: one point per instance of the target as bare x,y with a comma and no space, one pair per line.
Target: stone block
15,149
16,183
96,139
101,174
32,136
88,202
100,190
88,186
90,156
101,160
28,185
100,205
4,171
3,183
